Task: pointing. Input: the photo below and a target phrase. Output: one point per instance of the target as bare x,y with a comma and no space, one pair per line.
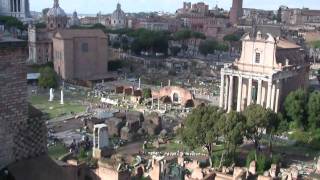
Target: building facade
81,54
40,39
236,11
300,16
16,8
118,18
268,70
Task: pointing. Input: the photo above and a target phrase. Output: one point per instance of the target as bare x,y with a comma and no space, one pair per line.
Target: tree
48,78
232,127
279,15
295,108
45,11
273,126
198,35
256,123
314,110
200,128
175,50
231,38
12,22
210,46
182,35
147,93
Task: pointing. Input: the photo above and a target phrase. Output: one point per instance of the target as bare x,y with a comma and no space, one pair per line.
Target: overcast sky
107,6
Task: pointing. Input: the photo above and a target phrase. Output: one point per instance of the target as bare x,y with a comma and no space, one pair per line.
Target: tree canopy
314,110
186,34
231,38
295,108
48,78
12,22
210,46
257,120
200,128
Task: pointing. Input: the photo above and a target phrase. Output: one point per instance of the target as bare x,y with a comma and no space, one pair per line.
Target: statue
61,101
51,95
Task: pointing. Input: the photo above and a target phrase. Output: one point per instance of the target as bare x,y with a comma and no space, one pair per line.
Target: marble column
230,98
222,91
273,96
259,96
226,93
239,98
249,96
269,94
278,89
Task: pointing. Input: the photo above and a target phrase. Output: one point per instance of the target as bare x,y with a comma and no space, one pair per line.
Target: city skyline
108,6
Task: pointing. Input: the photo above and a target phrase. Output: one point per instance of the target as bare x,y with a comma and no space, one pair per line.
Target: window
84,47
257,60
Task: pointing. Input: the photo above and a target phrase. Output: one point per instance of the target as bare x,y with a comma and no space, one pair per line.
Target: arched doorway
175,98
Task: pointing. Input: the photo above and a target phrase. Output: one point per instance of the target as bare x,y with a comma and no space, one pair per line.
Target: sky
108,6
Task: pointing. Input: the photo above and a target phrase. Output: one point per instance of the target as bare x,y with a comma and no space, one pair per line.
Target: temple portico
257,89
267,71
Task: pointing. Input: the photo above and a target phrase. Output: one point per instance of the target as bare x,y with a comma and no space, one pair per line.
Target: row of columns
16,5
227,93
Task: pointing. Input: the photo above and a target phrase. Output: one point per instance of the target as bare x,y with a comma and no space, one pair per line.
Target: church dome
56,10
118,14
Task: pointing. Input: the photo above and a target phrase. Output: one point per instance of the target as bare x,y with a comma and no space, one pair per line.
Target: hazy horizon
108,6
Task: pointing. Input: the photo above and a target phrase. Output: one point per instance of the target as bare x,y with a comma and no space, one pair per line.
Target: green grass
55,109
315,44
57,151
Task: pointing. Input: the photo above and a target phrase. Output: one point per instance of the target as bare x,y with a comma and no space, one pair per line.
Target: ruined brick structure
22,132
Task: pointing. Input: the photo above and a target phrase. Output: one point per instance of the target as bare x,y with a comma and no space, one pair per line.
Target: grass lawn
57,151
315,44
55,109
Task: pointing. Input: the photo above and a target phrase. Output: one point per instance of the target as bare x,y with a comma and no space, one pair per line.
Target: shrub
263,163
250,157
276,159
48,78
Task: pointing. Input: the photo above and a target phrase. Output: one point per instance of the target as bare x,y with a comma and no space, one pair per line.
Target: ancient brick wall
20,136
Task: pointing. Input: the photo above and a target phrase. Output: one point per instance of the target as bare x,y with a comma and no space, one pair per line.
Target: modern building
16,8
236,11
40,39
268,70
81,54
118,18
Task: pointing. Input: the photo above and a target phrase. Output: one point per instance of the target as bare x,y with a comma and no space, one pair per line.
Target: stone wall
20,136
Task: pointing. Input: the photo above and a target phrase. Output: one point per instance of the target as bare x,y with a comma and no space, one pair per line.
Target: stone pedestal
252,167
101,153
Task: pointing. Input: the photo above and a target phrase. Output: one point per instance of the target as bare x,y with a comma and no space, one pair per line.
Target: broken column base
101,153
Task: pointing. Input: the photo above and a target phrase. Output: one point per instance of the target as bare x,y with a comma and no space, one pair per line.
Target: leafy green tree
210,46
257,121
198,35
231,38
182,35
232,127
273,127
295,108
12,22
115,65
279,14
314,110
48,78
200,128
45,11
175,50
147,93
